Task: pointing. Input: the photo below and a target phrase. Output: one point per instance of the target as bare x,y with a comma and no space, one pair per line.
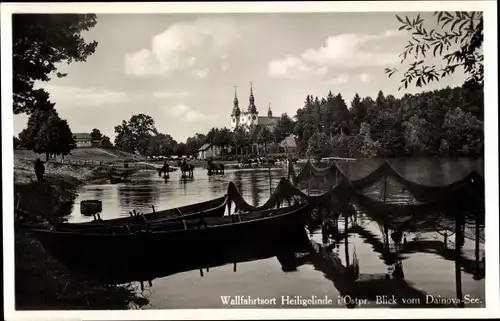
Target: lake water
428,272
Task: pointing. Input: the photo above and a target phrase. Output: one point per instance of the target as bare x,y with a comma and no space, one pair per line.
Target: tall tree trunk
46,157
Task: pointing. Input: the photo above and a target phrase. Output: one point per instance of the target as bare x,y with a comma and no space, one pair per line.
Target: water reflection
138,194
428,266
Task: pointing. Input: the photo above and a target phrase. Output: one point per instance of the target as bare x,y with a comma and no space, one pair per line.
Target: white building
251,115
83,139
208,150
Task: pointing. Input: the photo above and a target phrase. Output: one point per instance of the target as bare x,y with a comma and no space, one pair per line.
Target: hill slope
92,153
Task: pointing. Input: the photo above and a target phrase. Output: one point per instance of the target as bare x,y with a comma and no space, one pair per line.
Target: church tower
252,110
269,112
235,114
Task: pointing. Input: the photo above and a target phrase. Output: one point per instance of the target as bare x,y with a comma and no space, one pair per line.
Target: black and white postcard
250,160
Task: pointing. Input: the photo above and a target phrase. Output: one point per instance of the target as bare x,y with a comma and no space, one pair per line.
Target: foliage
194,143
457,39
40,41
284,128
95,134
440,122
369,148
17,142
47,134
106,141
428,123
135,135
319,146
241,138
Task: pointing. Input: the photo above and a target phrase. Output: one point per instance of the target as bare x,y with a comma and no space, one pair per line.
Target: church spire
236,109
251,106
269,111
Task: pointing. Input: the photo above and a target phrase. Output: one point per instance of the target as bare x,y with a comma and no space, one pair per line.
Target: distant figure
404,240
398,270
396,237
39,169
165,170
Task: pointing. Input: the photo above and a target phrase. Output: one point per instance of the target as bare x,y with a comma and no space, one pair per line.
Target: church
251,115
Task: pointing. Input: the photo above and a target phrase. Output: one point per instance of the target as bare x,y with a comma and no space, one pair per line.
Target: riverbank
41,282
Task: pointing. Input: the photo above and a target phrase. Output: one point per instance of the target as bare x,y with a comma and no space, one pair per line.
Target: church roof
264,120
82,136
205,147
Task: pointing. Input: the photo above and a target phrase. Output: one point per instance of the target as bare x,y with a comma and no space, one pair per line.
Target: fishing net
335,198
473,183
436,209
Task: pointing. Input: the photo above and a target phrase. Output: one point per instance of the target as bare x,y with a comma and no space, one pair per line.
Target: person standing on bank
39,169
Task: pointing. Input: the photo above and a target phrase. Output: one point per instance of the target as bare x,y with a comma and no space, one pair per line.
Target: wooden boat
90,207
215,257
212,208
137,249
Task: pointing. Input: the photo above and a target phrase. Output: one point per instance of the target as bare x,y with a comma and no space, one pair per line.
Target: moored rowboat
138,249
212,208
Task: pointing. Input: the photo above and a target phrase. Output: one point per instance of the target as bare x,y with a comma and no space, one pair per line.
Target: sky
182,69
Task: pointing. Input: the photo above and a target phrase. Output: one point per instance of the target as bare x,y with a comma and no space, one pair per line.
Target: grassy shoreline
41,282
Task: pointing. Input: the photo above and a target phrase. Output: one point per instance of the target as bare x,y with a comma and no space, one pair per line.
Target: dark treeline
139,134
447,122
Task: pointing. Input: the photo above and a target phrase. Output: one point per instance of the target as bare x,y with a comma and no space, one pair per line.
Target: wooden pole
346,240
477,246
270,179
309,181
458,254
336,176
384,196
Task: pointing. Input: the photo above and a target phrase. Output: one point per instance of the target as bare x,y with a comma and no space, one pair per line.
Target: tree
224,138
358,113
180,149
95,134
457,40
414,135
265,137
39,42
369,147
319,146
48,134
463,133
254,136
241,138
135,134
106,141
124,138
17,142
142,127
194,143
212,138
284,128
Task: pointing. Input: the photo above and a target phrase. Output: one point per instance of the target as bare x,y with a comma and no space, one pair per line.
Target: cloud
180,110
364,77
202,73
171,94
198,43
188,114
68,96
339,80
294,68
343,51
224,67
